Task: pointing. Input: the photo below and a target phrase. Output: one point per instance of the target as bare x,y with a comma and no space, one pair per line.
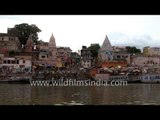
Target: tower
105,52
53,50
29,44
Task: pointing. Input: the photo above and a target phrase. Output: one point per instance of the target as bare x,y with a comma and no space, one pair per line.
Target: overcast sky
77,30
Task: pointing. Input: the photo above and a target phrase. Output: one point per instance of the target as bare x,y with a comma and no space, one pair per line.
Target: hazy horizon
74,31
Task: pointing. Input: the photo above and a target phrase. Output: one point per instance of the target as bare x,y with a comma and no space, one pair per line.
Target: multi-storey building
142,60
9,43
119,49
17,63
64,54
151,51
86,57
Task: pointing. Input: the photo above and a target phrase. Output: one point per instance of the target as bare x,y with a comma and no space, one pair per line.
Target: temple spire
105,52
106,45
53,50
30,41
29,44
52,42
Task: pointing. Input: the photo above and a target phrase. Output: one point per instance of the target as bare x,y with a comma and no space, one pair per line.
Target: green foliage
40,42
23,31
132,50
12,53
94,50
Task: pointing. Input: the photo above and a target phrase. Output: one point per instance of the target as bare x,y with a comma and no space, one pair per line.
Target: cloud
77,30
139,41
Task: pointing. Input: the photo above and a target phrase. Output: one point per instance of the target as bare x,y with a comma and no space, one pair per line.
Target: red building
109,64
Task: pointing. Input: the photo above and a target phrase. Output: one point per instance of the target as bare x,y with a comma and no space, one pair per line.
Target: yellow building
146,50
59,63
151,51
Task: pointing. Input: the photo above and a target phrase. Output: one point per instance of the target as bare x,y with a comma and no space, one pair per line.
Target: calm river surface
132,94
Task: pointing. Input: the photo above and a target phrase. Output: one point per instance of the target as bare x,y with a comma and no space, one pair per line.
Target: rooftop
6,35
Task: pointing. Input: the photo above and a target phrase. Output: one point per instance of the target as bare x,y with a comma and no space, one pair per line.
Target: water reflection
134,94
12,94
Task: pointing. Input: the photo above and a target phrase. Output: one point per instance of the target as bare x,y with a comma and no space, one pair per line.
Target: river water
132,94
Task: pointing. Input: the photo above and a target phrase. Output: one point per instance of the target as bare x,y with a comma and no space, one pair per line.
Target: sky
76,30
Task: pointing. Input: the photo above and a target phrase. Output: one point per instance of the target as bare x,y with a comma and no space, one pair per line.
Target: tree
12,53
132,50
94,50
22,31
40,42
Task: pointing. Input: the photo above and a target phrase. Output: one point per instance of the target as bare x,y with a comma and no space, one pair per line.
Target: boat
15,79
123,77
150,78
140,78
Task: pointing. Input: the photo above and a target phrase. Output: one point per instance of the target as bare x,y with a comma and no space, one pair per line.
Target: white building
119,49
122,57
86,63
18,63
24,62
146,60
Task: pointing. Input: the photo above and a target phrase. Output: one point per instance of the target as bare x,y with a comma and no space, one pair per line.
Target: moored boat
150,78
14,79
109,78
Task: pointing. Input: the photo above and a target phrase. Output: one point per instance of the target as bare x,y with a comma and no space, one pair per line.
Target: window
9,62
13,62
17,62
43,56
23,61
61,52
146,78
118,56
4,62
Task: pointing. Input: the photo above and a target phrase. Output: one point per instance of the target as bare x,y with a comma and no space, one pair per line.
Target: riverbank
25,78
